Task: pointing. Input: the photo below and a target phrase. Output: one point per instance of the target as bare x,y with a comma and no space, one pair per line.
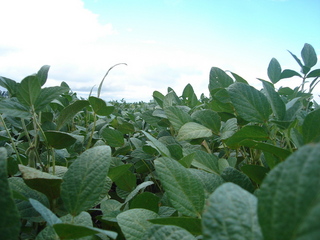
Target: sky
165,43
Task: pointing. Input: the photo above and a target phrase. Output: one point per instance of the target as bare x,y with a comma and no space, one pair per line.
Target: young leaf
100,107
231,214
184,190
274,70
209,119
287,73
168,232
42,74
288,202
85,179
249,103
192,130
309,55
189,96
29,90
304,69
134,222
310,127
219,79
10,219
158,97
68,112
177,117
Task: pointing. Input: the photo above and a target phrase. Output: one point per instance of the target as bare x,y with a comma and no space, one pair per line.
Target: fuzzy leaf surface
192,130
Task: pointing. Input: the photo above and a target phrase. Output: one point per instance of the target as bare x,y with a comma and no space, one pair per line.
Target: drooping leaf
184,190
59,140
134,224
274,70
249,103
247,132
159,146
310,127
209,119
288,202
113,137
277,104
100,107
70,111
85,179
177,117
304,69
168,232
231,213
29,90
309,55
219,79
9,219
41,181
192,130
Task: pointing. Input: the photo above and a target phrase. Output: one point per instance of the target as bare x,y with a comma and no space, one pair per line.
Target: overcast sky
165,43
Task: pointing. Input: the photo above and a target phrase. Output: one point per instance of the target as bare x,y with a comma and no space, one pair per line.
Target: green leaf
192,225
85,179
21,195
255,172
10,85
116,173
59,140
287,73
189,96
157,232
177,117
206,161
249,103
134,222
247,132
70,231
192,130
158,97
113,137
100,107
274,70
314,73
70,111
228,128
219,79
277,105
183,189
14,109
29,90
288,202
309,55
139,188
304,69
46,213
10,219
231,174
41,181
156,144
42,74
209,119
310,127
238,78
47,95
231,214
146,200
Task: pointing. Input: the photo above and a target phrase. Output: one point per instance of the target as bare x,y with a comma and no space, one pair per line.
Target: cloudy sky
165,43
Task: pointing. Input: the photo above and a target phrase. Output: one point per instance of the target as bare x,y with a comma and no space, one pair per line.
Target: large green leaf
9,219
183,189
219,79
231,213
14,109
192,130
134,222
277,104
209,119
59,140
177,116
309,55
228,128
41,181
42,74
169,232
100,107
233,175
255,172
289,202
249,103
68,112
156,144
158,97
247,132
47,95
274,70
10,85
288,73
146,200
85,179
29,90
113,137
310,127
206,161
189,96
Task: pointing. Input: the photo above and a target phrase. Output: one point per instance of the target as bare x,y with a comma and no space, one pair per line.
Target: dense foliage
240,164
